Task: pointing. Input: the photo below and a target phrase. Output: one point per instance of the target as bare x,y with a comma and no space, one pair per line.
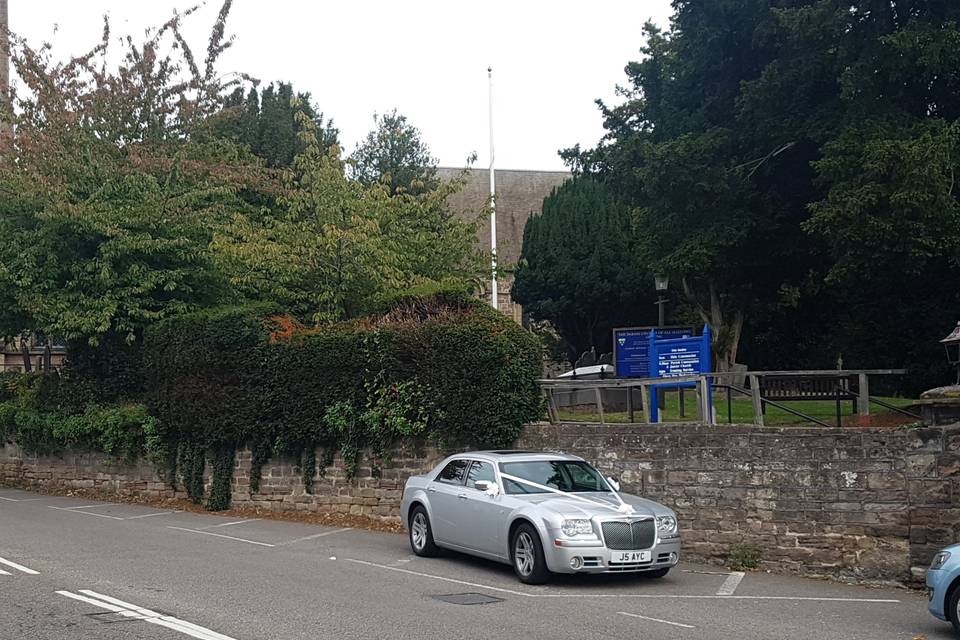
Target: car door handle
462,496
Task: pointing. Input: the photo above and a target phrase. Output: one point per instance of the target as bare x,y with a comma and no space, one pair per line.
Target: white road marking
642,596
5,573
139,613
220,535
228,524
316,535
91,506
675,624
151,515
20,499
427,575
729,586
19,567
84,513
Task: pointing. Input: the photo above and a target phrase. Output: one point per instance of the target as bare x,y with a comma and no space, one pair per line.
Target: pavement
73,568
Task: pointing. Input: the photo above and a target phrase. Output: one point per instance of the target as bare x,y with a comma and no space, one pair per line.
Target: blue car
943,586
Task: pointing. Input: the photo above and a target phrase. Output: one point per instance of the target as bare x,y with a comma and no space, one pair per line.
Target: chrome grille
626,536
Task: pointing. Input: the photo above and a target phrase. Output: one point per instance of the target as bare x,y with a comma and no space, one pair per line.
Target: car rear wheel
421,534
527,551
953,609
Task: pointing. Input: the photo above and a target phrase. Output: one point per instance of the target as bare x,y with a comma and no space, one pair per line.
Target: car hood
607,505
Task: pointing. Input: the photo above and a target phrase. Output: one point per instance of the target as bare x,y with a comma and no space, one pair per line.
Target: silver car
541,513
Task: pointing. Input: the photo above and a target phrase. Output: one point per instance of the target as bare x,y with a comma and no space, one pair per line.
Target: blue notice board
631,348
675,357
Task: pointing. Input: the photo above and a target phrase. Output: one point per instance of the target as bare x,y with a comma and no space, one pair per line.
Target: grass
740,411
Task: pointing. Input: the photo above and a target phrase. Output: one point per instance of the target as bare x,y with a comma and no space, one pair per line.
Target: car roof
517,455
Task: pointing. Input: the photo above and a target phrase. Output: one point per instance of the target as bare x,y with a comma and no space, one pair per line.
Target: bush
440,367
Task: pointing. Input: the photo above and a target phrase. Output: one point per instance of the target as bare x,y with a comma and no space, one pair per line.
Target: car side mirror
613,483
489,488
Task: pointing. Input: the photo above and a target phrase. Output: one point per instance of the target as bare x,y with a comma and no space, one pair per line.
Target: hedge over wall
440,367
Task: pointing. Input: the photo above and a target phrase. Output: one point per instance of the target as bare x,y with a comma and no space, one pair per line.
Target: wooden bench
802,388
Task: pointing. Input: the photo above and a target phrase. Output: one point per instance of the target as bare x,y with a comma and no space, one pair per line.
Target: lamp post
952,346
660,283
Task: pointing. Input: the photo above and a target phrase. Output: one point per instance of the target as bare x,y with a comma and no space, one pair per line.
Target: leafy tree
393,154
335,246
111,184
794,159
576,266
265,121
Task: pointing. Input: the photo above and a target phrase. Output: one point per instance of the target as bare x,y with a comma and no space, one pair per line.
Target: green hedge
442,368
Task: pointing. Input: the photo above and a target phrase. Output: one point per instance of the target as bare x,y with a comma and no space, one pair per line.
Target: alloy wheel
418,531
523,554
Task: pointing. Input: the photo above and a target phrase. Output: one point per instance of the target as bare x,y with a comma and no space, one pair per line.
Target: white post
494,299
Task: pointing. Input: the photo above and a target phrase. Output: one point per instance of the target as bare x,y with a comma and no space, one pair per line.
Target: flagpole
494,299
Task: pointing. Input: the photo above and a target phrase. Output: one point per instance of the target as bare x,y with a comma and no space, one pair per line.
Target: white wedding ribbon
622,508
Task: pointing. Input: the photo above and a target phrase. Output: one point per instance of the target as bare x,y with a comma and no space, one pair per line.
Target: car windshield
571,476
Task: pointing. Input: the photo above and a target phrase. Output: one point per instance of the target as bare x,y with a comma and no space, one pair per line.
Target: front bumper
594,557
937,584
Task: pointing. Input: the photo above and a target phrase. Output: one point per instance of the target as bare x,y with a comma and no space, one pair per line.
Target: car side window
480,471
454,472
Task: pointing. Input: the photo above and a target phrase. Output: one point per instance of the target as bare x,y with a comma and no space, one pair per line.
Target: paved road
75,569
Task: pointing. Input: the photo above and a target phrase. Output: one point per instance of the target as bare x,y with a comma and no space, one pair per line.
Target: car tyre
953,609
526,551
421,534
656,573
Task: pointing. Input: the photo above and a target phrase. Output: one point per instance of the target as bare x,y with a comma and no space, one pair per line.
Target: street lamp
660,283
952,345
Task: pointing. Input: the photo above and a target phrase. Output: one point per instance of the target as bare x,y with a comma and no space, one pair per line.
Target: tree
335,246
266,122
795,159
111,185
394,154
714,200
577,269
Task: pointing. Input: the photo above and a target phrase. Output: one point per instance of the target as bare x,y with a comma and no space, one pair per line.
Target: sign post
674,357
631,348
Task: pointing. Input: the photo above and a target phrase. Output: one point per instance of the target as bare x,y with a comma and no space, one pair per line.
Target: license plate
629,557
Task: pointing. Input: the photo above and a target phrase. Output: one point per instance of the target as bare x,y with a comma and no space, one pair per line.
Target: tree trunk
725,333
25,352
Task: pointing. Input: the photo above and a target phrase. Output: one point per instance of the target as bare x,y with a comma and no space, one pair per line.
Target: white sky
428,58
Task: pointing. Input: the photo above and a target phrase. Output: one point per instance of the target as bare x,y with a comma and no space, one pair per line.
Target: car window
454,472
564,475
481,471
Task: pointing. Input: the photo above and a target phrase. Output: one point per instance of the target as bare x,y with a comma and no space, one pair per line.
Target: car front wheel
421,534
527,551
953,610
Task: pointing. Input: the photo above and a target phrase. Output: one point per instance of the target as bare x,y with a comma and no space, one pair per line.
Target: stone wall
860,504
281,485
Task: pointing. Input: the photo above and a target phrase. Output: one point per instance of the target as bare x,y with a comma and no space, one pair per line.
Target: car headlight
576,527
939,560
667,524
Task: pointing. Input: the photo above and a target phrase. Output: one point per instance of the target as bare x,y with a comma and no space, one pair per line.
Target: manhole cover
467,598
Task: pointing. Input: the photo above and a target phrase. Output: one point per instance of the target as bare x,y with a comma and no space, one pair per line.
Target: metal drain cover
467,598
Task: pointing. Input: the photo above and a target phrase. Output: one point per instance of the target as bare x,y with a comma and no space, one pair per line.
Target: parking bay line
228,524
729,586
139,613
19,567
316,535
85,513
639,596
151,515
220,535
675,624
19,499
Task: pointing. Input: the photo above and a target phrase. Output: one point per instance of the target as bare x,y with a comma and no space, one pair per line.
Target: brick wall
863,504
860,504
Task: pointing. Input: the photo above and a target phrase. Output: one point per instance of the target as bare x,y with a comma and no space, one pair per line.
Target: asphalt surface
105,571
